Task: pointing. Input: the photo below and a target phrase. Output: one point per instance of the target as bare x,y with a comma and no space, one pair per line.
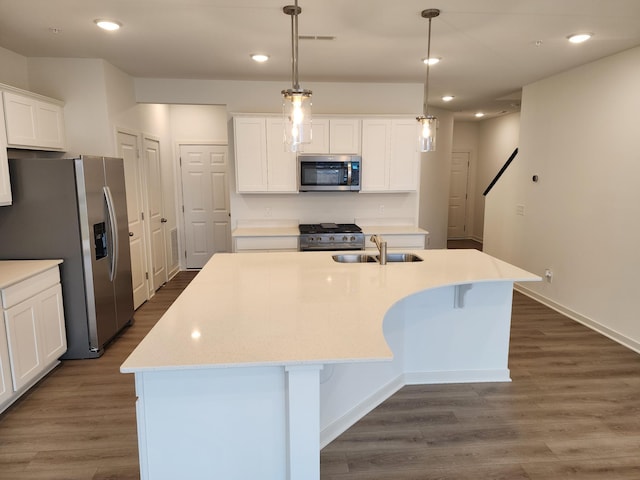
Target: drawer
266,243
29,287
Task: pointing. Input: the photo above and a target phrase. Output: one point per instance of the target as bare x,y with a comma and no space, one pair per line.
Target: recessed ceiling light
479,115
109,25
432,60
259,57
579,37
447,98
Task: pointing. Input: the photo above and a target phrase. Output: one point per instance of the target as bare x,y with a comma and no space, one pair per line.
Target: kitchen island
265,358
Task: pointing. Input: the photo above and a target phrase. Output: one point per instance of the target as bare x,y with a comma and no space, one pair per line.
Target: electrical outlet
548,275
380,210
268,212
520,209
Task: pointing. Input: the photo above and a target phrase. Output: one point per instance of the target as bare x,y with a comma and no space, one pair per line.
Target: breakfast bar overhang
267,357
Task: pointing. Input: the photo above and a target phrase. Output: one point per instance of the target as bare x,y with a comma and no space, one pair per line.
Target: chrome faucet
382,248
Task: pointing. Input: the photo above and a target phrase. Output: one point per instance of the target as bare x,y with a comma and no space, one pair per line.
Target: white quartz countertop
14,271
287,308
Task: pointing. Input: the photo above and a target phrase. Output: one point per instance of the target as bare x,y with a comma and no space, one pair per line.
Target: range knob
344,239
331,239
353,238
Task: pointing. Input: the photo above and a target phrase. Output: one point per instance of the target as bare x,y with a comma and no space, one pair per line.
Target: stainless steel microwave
329,173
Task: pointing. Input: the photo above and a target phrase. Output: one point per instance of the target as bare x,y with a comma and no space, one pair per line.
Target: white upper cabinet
262,163
344,135
334,135
390,156
5,184
404,168
250,140
282,171
33,122
319,137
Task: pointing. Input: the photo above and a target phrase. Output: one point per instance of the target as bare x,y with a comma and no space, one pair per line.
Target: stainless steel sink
354,258
402,257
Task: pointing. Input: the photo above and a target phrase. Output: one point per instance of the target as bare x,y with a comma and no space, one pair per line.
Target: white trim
458,376
586,321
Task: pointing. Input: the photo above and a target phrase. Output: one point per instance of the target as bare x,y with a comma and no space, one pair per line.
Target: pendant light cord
425,106
295,85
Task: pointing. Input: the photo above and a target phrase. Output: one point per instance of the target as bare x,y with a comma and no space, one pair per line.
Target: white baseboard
586,321
458,376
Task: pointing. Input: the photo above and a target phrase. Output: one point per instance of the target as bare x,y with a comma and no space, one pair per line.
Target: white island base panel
270,422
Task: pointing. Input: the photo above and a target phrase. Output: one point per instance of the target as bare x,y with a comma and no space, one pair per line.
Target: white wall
579,132
14,69
435,175
81,84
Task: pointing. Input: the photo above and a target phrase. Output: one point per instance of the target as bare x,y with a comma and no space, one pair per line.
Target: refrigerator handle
113,227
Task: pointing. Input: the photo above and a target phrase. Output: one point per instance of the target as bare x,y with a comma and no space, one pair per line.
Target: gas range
331,236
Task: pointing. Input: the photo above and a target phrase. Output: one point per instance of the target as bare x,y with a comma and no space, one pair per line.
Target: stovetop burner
331,236
316,228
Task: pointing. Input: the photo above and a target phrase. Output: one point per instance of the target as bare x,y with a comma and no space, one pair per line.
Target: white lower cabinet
266,244
33,335
6,387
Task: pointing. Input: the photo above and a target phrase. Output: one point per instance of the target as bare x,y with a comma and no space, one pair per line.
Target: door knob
163,220
131,234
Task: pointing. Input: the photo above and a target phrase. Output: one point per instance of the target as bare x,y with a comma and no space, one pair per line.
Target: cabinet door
250,154
50,126
319,137
282,171
32,123
376,144
52,338
344,135
405,159
6,389
22,326
5,184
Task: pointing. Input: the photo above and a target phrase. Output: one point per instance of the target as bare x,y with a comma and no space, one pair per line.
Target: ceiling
489,48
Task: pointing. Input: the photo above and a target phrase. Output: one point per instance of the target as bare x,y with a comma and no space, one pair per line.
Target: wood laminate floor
572,411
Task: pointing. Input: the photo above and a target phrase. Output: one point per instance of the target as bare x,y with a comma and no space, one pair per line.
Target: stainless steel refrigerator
75,209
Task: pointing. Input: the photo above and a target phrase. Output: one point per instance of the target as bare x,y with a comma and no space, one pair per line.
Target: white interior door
128,148
205,198
155,215
458,195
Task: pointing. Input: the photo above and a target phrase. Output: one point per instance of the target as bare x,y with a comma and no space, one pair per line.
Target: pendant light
296,102
428,123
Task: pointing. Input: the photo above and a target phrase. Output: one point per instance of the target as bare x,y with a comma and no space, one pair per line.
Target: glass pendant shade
296,106
428,130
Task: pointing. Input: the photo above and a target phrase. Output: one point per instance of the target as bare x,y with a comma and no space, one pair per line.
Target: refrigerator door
96,243
122,283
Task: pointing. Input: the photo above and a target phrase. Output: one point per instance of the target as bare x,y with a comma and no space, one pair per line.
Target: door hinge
142,216
180,159
182,208
146,275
